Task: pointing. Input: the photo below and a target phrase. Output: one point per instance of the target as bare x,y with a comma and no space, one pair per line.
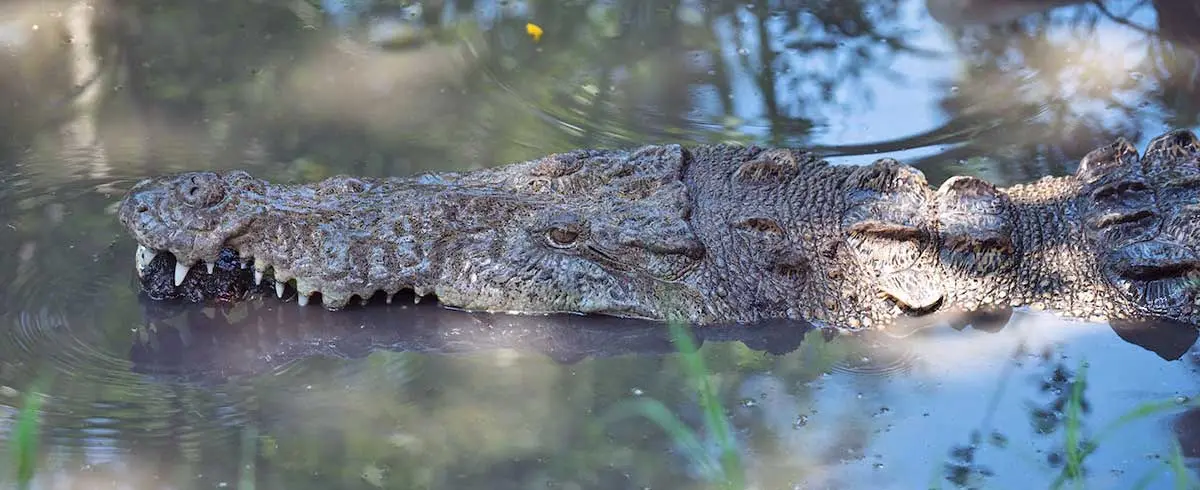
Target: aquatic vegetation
1077,446
728,467
1068,411
24,443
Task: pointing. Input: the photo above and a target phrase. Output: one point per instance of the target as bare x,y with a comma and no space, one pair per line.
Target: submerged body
707,234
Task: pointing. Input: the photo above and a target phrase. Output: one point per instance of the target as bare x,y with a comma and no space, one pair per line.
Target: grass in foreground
728,468
24,443
963,471
730,472
1078,447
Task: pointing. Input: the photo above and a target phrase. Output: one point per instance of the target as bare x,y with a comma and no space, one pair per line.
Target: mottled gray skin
1116,241
713,234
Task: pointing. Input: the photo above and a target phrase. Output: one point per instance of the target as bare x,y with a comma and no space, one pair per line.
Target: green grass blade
25,439
1145,410
714,413
1073,426
1141,411
656,412
1183,478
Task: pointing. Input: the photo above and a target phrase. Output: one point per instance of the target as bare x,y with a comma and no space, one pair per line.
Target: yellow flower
534,31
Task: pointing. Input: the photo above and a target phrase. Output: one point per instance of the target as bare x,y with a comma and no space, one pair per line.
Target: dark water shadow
260,335
1169,339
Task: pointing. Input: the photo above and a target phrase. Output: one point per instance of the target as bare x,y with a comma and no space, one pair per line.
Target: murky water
137,394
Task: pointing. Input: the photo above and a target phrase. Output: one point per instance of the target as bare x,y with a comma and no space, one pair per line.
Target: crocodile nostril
141,208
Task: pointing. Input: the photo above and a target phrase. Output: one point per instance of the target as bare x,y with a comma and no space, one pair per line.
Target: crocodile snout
135,202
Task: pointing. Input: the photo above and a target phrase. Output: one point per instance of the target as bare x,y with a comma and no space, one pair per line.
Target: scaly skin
709,234
1116,241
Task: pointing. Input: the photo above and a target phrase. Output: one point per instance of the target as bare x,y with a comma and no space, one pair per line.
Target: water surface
136,394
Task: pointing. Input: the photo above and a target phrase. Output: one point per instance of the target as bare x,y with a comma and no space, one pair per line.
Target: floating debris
534,31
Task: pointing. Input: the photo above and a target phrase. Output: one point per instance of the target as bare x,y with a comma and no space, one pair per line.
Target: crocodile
706,234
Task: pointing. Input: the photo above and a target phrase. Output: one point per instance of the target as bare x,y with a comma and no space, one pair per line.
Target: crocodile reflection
257,336
251,337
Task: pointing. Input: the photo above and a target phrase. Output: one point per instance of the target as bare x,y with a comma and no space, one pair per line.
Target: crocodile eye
562,237
564,230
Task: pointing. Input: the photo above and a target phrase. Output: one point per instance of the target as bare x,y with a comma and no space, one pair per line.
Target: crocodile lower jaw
262,272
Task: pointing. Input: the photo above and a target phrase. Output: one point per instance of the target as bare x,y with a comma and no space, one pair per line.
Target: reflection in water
881,357
181,338
420,397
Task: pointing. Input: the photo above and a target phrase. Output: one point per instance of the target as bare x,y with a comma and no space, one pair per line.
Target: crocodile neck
1052,266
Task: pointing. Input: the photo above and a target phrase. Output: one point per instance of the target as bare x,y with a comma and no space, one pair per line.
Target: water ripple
878,357
67,317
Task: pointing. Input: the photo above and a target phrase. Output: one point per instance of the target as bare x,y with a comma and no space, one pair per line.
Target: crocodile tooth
302,298
389,298
210,266
142,257
279,288
260,268
181,272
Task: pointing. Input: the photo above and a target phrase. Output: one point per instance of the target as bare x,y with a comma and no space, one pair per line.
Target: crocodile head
191,215
1141,215
533,237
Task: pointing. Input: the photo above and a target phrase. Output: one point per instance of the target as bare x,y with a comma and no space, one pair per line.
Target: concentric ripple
877,356
67,316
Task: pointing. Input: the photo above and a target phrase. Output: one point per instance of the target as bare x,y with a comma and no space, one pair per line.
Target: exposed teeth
259,269
180,272
144,255
142,258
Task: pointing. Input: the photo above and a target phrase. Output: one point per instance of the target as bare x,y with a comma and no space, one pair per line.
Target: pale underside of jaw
144,255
